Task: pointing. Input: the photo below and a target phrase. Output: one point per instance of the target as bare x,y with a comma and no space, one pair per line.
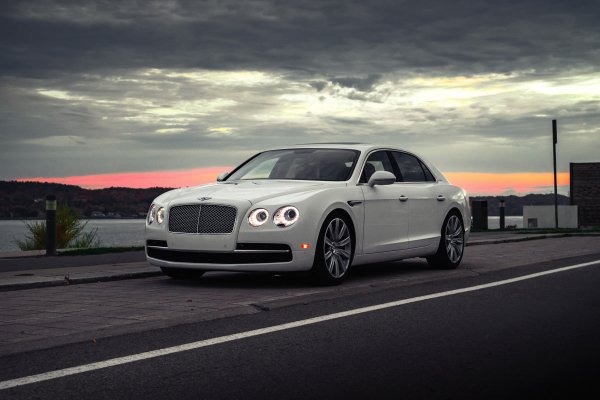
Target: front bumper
246,257
246,248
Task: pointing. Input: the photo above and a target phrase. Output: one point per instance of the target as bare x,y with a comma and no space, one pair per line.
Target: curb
67,281
528,238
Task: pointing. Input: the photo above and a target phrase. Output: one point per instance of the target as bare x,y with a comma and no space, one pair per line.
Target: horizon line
475,183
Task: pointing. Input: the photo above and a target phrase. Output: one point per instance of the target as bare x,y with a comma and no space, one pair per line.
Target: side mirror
382,178
222,176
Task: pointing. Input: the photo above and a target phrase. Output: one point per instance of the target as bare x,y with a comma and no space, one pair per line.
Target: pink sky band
474,182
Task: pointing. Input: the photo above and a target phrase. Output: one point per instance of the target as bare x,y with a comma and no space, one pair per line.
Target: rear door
386,217
425,208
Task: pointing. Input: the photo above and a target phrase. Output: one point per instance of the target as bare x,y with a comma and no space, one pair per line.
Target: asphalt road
528,339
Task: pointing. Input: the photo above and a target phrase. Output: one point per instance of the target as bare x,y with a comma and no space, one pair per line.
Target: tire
182,273
452,243
335,251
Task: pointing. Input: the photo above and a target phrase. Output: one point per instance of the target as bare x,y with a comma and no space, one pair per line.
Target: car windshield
299,164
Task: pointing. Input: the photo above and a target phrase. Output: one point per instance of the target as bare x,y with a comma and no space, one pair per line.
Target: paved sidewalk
478,238
31,278
21,261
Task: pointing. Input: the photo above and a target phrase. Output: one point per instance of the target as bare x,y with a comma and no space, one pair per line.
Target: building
585,193
544,217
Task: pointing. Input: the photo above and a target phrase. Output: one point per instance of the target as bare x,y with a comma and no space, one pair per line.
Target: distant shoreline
83,218
24,201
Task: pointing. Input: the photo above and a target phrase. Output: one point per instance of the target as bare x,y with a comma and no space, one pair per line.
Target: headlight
286,216
258,217
151,213
160,215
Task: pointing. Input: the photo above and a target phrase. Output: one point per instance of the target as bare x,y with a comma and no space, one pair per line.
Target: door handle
403,198
441,198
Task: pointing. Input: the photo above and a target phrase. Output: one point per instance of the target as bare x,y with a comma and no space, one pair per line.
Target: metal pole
50,225
554,141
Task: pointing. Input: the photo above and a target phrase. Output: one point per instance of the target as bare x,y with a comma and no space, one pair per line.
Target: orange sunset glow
497,183
473,182
140,180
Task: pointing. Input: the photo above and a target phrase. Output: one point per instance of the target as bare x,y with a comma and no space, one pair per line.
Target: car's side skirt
385,256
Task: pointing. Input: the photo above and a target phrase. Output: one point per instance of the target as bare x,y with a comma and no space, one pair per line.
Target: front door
386,216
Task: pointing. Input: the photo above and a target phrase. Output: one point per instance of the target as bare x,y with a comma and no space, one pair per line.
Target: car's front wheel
334,251
181,273
452,243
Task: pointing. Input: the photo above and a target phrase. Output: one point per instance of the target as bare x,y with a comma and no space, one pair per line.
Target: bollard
502,224
50,225
479,210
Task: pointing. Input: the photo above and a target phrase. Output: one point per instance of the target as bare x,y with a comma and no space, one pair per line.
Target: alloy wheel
454,239
337,247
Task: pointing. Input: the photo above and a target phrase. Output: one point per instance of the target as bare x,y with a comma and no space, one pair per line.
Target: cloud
336,38
112,86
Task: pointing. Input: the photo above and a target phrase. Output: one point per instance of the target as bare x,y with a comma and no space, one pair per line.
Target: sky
171,93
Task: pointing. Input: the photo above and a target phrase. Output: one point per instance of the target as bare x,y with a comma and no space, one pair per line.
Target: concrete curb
67,280
527,238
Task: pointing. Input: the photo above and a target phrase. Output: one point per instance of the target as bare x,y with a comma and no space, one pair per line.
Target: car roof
342,145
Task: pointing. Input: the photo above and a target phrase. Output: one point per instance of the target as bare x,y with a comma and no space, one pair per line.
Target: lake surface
130,232
111,232
494,222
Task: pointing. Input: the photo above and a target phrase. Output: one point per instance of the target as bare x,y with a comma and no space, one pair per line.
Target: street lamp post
554,141
50,225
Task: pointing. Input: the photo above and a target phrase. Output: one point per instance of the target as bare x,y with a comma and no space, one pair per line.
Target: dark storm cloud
108,86
332,38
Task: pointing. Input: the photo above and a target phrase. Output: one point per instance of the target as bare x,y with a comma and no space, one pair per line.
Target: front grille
204,219
184,219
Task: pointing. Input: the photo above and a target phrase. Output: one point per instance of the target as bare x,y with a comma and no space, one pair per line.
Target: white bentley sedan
319,207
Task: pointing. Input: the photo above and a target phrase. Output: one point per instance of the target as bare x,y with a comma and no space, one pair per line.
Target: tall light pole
554,141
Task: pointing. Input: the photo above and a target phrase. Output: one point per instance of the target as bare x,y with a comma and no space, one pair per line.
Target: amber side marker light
305,246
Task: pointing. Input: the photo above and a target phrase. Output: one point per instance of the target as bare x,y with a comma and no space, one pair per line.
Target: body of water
130,232
494,222
111,232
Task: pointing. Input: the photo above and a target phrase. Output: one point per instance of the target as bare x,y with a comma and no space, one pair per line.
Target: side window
410,167
378,161
428,174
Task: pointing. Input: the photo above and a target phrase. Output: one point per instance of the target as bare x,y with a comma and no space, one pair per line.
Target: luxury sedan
317,207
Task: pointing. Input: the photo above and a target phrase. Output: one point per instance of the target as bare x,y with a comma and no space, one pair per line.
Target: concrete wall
585,192
543,216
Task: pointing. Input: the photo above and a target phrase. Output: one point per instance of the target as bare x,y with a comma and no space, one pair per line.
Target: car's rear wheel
452,243
182,273
334,251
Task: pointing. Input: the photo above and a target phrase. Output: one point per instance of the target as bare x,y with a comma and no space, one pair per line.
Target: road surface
527,332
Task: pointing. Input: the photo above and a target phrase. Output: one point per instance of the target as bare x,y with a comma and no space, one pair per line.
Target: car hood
252,191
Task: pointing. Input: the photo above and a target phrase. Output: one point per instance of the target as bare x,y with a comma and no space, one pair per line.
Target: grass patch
69,232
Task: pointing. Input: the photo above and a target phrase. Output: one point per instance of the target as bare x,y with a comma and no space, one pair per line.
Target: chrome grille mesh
205,219
184,219
216,219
